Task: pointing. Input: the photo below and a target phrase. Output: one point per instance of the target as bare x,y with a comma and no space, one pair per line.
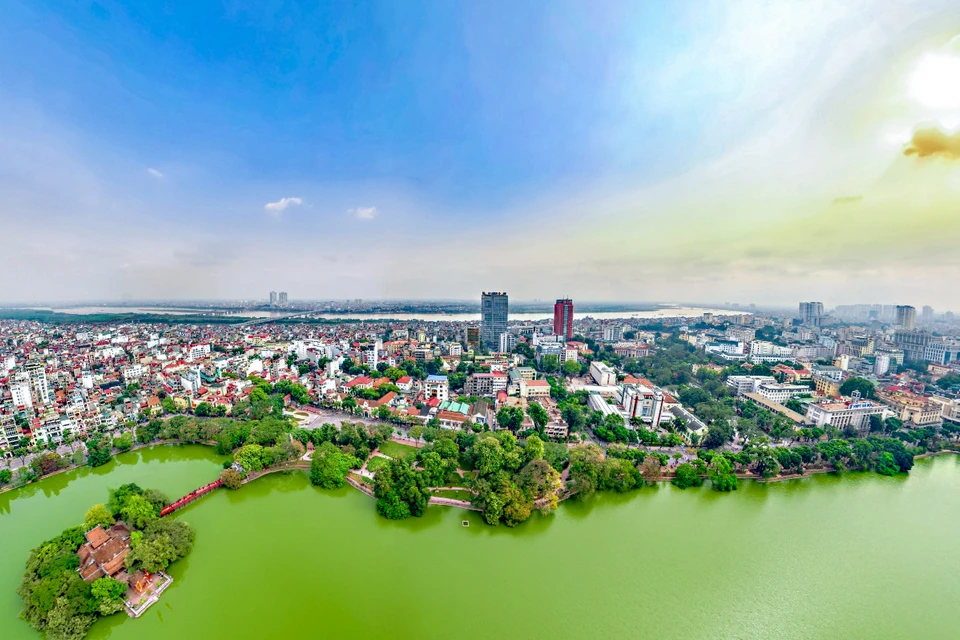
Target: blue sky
144,143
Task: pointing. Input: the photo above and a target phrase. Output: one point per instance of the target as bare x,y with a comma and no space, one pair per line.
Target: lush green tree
722,477
98,515
573,415
5,476
153,554
178,533
571,368
231,478
124,442
794,405
541,483
138,511
416,431
250,457
766,466
401,490
549,364
534,448
510,418
586,463
329,466
538,414
886,465
866,388
98,450
488,455
109,595
687,476
434,468
718,435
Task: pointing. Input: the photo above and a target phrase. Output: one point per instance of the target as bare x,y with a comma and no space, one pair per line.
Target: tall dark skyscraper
493,319
906,317
811,313
563,318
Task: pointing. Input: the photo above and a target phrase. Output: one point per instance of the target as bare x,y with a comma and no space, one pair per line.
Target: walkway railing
190,497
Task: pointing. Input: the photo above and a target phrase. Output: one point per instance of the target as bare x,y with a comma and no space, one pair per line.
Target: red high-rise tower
563,318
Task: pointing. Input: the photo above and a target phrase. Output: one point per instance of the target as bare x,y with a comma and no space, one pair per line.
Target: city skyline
765,154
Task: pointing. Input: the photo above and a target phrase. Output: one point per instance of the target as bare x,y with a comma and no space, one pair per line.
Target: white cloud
154,173
276,208
364,213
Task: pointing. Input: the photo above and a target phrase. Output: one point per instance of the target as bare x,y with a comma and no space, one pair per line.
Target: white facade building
854,413
603,374
740,385
780,393
436,387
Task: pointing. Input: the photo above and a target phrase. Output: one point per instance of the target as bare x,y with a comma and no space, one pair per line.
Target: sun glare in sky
935,82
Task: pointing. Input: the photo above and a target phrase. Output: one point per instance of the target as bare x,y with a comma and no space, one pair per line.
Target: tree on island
98,515
231,478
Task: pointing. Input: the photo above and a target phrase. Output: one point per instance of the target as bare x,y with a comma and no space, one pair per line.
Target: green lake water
857,556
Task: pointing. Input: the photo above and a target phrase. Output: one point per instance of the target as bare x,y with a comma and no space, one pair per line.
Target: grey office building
493,319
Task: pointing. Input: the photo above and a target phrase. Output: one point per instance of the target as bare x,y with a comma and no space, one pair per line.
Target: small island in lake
113,562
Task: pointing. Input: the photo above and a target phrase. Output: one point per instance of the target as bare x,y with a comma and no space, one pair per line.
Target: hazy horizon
771,152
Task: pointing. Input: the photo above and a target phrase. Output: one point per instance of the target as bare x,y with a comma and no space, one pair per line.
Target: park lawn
454,494
376,462
397,450
360,478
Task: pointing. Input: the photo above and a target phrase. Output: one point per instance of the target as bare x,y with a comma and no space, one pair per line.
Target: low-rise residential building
533,389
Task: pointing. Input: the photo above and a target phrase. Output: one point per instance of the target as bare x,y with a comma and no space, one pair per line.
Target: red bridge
190,497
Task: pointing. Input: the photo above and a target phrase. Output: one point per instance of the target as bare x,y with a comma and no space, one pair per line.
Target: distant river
855,556
670,312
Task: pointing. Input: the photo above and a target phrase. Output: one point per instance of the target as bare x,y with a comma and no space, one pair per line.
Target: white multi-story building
371,357
9,432
20,390
455,349
881,366
190,381
603,374
763,351
485,384
613,333
854,412
436,387
731,347
508,341
198,351
132,373
740,385
38,382
639,401
780,393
